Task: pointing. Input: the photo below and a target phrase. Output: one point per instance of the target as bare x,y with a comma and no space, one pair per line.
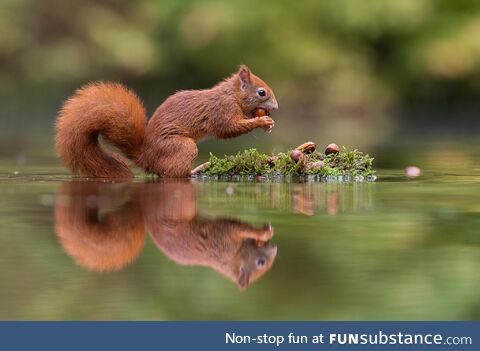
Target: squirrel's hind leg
173,157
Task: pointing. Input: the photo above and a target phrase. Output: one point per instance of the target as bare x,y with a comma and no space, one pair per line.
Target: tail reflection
99,225
102,227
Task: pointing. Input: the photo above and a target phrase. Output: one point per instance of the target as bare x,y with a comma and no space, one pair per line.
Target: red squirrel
166,144
233,248
102,227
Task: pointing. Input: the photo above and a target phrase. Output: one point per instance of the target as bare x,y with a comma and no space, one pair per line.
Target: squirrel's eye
260,262
261,92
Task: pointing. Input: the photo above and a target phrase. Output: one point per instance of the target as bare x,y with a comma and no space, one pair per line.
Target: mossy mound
343,165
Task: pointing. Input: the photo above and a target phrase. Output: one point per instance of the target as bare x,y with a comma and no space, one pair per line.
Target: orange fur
101,225
228,246
166,146
100,108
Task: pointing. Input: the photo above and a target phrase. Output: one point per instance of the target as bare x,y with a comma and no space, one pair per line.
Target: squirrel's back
106,109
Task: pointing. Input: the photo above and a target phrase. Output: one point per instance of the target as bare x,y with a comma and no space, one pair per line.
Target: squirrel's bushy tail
106,109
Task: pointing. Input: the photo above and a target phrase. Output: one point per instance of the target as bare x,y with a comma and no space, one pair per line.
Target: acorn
260,243
307,147
297,156
260,112
332,149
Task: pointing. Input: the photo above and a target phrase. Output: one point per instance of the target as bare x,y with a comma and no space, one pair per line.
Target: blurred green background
372,74
397,79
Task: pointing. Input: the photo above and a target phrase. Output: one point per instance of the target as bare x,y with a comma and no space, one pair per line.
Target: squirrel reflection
99,225
102,226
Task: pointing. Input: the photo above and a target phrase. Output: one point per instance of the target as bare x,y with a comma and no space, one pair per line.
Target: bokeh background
377,75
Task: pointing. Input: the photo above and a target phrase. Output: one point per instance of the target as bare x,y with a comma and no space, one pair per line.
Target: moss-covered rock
345,165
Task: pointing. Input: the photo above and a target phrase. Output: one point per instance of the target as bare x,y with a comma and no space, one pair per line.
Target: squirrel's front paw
266,123
264,235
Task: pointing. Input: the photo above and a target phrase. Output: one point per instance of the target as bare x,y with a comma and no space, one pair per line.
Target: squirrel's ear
244,75
243,278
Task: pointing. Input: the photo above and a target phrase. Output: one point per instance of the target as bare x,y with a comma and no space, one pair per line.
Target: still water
395,249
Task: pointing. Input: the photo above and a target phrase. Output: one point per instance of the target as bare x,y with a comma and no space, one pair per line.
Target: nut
260,112
297,156
260,243
332,149
307,147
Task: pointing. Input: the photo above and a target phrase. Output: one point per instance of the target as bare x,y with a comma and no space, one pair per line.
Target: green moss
352,164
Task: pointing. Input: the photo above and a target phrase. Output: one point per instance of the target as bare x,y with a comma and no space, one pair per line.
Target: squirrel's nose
274,105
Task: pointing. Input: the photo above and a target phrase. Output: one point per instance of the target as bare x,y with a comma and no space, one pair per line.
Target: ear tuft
244,75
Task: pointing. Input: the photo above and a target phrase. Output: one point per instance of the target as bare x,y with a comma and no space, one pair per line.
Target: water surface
394,249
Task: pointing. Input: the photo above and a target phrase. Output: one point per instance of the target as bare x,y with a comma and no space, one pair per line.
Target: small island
304,163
